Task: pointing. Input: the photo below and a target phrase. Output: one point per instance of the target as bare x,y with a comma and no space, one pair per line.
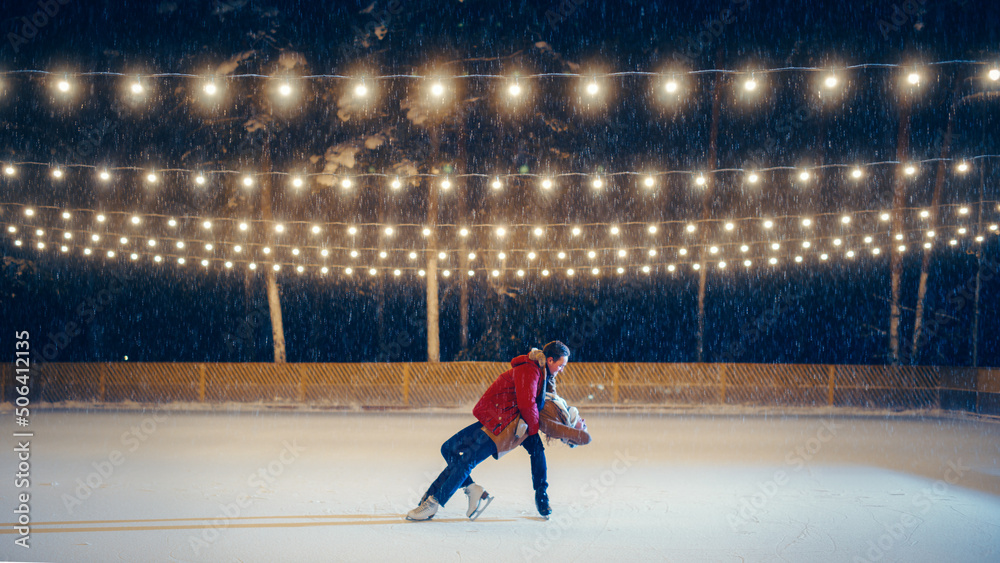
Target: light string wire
9,168
829,68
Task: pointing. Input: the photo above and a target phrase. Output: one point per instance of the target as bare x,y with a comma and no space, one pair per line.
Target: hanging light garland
627,247
513,87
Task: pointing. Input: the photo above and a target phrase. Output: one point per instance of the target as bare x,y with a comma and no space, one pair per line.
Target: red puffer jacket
513,393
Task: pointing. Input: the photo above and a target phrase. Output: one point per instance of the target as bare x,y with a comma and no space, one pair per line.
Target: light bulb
361,90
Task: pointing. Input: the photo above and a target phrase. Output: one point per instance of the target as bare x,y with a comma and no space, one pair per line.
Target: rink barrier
451,384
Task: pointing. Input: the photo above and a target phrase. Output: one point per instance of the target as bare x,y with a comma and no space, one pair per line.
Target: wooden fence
450,384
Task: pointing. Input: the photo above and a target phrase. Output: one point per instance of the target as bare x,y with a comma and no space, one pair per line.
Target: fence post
301,395
615,373
201,383
832,371
406,384
722,383
103,370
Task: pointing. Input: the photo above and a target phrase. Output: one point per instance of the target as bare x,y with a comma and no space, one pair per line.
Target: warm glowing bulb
752,178
856,173
538,231
345,183
831,81
768,224
963,167
649,181
597,183
994,74
137,87
445,184
913,78
315,229
700,180
690,228
671,86
496,184
285,89
845,219
501,231
151,178
730,226
652,229
297,182
615,230
437,89
804,175
207,225
199,179
247,181
592,88
9,170
514,90
395,184
910,170
750,85
244,226
361,90
63,85
104,175
546,183
884,216
57,173
806,222
576,231
210,88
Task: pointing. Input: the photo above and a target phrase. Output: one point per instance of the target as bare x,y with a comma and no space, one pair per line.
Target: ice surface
291,486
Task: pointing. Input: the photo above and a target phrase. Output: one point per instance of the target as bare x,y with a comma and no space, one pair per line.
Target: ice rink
245,485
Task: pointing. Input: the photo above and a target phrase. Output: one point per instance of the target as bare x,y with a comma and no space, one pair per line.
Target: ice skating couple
510,413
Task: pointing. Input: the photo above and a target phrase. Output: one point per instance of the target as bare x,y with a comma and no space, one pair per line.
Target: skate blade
483,503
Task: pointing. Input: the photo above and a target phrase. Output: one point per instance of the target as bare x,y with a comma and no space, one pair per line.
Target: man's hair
555,349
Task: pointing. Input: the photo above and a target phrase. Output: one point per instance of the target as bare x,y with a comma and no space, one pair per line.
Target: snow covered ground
293,486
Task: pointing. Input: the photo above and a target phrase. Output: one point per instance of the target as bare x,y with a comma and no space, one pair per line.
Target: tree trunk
898,203
433,327
463,212
979,268
706,212
273,290
918,321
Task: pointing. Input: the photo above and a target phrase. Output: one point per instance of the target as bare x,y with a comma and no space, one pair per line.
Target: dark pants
468,448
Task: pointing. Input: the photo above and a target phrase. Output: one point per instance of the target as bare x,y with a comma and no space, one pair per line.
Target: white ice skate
479,499
427,509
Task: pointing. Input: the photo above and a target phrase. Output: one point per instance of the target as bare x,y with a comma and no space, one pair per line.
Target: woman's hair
555,349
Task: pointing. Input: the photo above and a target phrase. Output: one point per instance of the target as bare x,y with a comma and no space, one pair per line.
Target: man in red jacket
507,417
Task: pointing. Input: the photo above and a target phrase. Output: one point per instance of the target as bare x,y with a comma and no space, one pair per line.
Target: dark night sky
830,313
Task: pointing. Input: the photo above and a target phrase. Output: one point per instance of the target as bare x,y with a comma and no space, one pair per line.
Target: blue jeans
468,448
471,446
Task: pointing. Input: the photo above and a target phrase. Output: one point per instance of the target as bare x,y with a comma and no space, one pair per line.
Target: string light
994,74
